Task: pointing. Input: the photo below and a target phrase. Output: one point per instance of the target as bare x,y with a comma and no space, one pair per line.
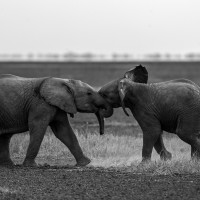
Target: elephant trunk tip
101,132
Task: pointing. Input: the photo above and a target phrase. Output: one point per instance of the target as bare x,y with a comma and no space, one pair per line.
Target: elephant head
111,91
74,96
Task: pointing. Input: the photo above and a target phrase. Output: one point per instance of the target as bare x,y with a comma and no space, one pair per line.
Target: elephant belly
12,124
169,123
182,123
13,130
169,127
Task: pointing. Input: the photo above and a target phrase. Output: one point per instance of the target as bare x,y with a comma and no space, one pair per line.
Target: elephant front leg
65,134
37,131
4,150
161,150
149,139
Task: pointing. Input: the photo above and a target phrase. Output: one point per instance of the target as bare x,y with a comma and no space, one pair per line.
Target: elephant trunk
101,122
101,114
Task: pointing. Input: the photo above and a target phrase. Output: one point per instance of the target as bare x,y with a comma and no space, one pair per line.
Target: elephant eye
89,93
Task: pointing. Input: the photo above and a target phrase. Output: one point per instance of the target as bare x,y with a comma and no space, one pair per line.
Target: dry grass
121,152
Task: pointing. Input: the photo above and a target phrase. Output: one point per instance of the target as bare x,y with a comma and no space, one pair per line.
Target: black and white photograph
99,99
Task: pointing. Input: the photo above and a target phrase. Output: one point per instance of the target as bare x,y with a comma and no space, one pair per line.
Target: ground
94,183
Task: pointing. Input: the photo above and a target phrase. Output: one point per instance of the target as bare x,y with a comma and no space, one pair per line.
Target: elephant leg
37,129
161,150
65,134
194,141
195,149
149,139
194,152
4,150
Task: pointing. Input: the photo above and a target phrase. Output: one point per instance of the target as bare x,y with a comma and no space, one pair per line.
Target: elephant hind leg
194,141
4,150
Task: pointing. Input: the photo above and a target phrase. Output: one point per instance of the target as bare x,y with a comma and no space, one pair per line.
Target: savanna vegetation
122,143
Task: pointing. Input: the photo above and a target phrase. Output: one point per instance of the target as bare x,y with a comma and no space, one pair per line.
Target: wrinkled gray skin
35,103
110,92
172,106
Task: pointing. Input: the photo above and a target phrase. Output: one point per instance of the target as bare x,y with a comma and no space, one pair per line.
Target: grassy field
121,152
122,143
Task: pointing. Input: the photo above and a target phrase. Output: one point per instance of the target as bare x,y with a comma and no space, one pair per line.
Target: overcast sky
100,26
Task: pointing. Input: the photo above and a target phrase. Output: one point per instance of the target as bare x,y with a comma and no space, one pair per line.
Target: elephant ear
58,92
138,74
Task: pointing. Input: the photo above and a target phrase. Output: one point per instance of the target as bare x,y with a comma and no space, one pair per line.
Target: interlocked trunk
101,114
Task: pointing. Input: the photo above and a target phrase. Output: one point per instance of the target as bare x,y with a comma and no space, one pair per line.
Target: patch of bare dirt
93,183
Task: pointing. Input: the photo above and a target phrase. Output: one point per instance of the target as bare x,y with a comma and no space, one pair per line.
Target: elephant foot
29,163
165,155
83,162
144,163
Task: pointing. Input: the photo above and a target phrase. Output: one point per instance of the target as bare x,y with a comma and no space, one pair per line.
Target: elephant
110,92
33,104
172,106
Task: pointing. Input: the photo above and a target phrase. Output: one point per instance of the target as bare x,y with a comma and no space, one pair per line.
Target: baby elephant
110,92
33,104
172,106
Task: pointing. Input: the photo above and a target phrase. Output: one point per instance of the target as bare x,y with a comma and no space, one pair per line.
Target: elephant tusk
125,110
122,95
122,92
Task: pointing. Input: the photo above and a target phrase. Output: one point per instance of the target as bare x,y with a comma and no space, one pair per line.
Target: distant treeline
72,56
